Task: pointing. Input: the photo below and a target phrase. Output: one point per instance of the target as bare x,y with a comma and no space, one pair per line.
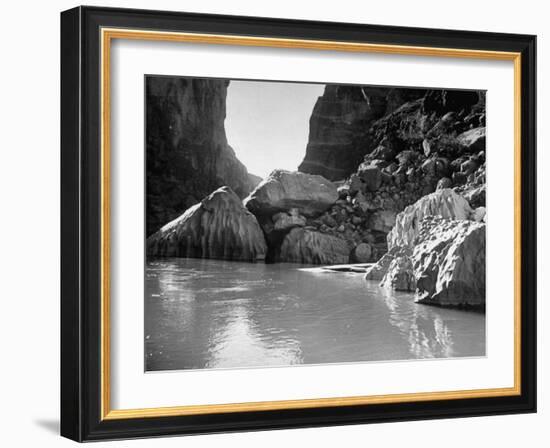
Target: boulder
284,221
459,178
383,152
400,275
218,227
308,246
445,203
469,166
355,184
443,183
360,201
283,190
473,139
427,147
479,214
378,270
475,196
362,253
371,176
449,263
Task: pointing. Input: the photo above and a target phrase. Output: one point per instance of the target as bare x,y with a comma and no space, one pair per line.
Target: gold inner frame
107,35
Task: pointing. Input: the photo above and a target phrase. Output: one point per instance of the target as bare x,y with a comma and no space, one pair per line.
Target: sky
267,123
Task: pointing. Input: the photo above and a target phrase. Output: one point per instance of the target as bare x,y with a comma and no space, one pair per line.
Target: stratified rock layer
337,137
218,227
311,247
188,155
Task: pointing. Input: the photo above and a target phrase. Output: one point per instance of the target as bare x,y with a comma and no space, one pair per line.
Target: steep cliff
187,152
339,125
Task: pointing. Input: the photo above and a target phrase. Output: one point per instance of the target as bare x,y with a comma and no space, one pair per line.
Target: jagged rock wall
187,153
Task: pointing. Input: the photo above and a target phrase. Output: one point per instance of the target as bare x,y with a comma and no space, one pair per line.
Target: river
225,314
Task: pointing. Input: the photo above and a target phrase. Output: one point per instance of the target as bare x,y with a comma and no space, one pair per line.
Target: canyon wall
339,134
187,153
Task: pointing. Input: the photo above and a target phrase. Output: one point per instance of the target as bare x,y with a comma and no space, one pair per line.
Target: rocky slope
218,227
410,143
188,155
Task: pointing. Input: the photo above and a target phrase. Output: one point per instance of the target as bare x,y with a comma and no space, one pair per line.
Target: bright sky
267,123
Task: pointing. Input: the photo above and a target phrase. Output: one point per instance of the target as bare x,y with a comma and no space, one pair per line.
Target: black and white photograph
291,223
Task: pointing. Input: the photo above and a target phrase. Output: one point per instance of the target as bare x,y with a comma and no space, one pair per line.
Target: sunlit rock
449,262
284,190
400,275
444,203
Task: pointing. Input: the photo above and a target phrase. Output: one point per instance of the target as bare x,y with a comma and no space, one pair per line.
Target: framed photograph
275,224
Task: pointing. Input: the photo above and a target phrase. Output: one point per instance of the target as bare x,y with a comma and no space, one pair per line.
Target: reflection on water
218,314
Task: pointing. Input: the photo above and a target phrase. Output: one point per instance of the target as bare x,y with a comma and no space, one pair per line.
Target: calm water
216,314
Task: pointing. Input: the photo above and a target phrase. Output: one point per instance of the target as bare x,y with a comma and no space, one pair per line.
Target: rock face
311,247
337,138
188,155
400,275
445,203
379,270
283,190
218,227
449,263
437,249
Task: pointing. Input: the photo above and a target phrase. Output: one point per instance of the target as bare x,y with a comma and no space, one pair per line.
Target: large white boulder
444,203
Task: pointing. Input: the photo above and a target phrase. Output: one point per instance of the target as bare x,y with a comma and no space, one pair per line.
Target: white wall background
29,227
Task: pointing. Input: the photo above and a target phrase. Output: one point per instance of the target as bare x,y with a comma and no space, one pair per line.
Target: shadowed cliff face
339,124
187,151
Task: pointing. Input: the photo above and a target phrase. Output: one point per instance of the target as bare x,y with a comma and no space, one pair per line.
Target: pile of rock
426,141
288,206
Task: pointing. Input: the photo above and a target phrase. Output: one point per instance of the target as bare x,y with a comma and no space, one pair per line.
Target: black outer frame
80,223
